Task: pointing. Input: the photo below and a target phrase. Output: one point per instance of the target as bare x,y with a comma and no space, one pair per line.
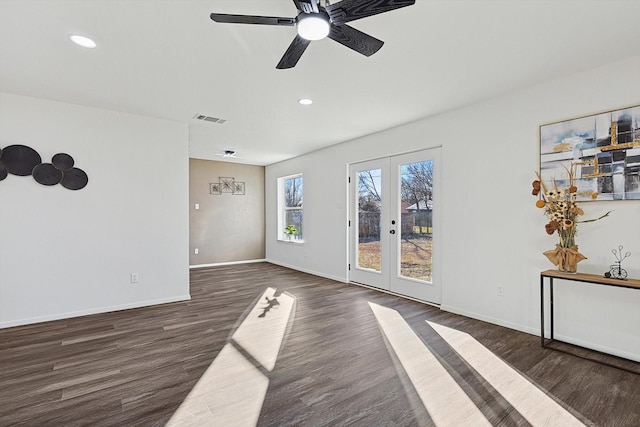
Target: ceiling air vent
209,119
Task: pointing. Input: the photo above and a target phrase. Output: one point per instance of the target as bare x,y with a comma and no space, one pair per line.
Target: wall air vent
209,119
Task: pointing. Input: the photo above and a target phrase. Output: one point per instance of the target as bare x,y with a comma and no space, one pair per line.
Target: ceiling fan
318,19
228,154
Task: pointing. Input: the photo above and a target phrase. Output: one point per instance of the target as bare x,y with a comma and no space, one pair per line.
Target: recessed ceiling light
305,101
82,41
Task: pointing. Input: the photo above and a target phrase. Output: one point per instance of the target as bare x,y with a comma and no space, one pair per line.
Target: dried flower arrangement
560,207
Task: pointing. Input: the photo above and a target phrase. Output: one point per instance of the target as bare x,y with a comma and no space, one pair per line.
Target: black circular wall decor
3,171
20,159
24,161
47,174
62,161
74,179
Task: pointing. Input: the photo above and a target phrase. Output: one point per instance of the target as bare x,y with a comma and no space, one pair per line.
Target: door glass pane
369,203
416,220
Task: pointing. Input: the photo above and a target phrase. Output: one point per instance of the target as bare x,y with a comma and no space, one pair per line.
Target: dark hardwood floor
335,367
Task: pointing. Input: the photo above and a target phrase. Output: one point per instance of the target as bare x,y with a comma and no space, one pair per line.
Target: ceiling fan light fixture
313,27
305,101
82,41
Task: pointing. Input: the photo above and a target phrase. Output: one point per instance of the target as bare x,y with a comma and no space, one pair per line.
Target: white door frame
389,277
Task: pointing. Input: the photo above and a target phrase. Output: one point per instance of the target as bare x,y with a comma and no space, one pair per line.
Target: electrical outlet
195,251
500,291
134,278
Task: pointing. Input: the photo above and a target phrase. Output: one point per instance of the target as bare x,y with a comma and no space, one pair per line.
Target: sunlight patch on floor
443,398
531,402
232,389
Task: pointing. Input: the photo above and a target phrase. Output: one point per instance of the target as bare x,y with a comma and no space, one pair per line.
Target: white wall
493,233
65,253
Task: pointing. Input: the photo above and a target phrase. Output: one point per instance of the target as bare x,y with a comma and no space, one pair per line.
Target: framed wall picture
226,184
604,148
238,188
214,188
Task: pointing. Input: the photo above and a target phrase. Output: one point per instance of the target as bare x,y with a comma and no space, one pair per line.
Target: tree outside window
291,224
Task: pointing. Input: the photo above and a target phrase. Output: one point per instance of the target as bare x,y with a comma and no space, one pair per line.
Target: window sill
294,242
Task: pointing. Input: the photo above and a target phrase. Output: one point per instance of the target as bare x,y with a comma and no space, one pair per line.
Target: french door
395,228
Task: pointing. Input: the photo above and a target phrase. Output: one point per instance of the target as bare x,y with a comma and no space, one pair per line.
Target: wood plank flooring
336,365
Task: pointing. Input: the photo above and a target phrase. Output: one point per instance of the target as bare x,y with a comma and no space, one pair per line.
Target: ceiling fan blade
250,19
293,53
307,6
350,10
355,39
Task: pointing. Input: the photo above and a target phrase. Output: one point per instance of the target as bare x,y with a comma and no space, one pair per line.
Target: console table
577,277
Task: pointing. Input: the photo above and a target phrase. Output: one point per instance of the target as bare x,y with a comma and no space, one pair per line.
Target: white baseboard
218,264
60,316
536,331
488,319
303,270
598,347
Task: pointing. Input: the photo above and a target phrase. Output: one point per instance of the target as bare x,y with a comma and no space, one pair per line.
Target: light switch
197,205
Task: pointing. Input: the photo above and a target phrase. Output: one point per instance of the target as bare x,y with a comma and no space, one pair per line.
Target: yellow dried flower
560,206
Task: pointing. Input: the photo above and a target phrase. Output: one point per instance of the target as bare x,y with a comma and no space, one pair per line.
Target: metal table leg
551,306
542,311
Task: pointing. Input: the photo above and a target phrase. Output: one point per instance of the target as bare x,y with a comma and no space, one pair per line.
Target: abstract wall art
604,148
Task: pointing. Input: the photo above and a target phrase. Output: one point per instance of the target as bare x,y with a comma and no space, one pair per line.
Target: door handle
392,231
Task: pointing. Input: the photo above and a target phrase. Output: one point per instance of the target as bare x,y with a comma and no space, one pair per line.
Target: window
290,210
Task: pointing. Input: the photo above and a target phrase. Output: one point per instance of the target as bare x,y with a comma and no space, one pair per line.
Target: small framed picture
226,184
214,188
238,188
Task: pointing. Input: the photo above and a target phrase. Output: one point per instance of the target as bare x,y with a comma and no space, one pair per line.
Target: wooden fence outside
413,223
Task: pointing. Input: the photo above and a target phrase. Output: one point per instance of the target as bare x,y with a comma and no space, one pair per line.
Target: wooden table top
592,278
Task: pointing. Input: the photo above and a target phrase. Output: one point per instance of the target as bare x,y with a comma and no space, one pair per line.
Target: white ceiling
167,59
